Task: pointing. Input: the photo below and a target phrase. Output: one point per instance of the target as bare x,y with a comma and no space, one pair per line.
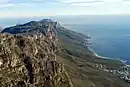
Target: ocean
110,35
111,41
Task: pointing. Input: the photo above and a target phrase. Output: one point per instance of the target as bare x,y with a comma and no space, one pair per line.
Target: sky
36,8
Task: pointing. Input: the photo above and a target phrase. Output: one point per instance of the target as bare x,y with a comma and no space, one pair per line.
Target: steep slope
90,71
30,61
42,27
82,66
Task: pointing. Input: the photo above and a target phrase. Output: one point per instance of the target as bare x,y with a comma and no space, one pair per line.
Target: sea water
107,40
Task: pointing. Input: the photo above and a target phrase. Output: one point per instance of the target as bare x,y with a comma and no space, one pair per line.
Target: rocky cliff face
30,61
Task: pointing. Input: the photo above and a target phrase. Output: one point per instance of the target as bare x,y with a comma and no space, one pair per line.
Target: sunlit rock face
30,61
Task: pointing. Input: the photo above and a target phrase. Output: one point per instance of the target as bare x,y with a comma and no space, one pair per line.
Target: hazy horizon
37,8
70,19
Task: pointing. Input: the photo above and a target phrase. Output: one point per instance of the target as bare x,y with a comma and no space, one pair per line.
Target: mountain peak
46,20
32,27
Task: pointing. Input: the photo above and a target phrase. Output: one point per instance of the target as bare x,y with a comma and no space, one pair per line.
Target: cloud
63,7
39,0
4,1
93,2
73,1
111,0
18,3
42,1
126,0
86,4
6,5
89,2
79,1
15,5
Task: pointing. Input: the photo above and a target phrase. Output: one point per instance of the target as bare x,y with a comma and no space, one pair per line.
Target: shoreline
95,54
103,57
110,58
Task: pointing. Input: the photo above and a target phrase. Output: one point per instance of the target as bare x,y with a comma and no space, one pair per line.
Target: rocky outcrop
30,61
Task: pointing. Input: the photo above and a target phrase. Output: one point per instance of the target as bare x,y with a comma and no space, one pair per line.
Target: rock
29,61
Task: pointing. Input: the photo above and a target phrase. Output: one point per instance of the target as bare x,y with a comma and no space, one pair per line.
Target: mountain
41,26
82,67
23,64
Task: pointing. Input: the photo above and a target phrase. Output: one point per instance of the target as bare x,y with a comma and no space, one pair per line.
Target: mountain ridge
83,68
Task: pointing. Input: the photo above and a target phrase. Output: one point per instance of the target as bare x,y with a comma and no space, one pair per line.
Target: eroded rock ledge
30,61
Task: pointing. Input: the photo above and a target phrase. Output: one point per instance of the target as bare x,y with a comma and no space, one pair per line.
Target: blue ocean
110,35
108,40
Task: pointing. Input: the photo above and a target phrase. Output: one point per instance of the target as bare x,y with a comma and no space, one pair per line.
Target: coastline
110,58
103,57
95,54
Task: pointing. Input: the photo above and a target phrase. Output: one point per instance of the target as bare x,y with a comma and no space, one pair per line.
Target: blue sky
30,8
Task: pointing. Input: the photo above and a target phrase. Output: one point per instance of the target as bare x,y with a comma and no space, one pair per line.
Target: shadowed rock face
30,61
